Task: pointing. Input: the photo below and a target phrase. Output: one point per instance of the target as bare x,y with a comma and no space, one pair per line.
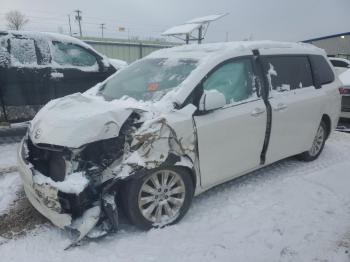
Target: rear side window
338,63
23,52
287,73
4,54
323,73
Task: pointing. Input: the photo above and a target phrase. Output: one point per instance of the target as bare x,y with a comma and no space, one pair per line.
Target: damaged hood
78,119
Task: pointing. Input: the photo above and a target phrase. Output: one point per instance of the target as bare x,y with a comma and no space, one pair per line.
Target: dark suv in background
38,67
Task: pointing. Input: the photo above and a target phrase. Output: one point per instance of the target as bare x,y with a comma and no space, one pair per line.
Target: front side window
148,79
23,52
235,80
287,73
66,54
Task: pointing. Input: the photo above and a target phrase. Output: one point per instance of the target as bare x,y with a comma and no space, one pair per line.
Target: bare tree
16,20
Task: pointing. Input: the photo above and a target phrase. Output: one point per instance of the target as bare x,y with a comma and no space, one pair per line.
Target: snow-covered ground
8,155
290,211
10,184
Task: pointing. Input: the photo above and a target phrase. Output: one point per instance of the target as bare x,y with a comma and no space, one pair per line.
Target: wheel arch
192,174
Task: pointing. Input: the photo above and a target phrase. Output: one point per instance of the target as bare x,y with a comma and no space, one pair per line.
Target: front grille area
345,104
48,162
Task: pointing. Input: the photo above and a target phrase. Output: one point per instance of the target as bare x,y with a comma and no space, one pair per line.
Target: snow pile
10,184
289,211
74,183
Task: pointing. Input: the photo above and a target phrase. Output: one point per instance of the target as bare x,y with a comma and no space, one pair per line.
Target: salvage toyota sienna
173,125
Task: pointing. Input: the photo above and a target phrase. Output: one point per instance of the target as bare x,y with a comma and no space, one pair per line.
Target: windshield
148,79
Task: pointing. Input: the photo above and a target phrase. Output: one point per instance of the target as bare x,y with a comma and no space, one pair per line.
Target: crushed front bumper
45,199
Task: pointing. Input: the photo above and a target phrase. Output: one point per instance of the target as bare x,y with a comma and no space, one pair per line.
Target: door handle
280,107
257,111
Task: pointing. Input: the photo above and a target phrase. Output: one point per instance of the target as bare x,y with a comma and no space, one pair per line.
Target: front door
230,139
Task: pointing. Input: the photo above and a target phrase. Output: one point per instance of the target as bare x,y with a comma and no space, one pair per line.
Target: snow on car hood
78,119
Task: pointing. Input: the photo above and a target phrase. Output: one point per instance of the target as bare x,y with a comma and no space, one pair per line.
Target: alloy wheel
161,197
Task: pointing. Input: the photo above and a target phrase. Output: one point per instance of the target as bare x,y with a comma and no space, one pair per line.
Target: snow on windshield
23,51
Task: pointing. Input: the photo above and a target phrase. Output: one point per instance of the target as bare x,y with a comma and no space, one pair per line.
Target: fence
126,51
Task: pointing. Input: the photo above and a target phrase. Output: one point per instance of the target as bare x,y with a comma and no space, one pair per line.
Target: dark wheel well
193,175
326,119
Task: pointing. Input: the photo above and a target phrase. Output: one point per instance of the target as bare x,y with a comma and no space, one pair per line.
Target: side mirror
211,99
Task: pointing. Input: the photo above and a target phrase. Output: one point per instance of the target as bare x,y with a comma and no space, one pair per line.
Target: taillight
344,90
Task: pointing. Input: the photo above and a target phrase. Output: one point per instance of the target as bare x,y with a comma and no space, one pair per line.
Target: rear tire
159,198
317,145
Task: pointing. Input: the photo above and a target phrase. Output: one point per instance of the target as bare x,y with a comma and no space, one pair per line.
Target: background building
335,45
128,51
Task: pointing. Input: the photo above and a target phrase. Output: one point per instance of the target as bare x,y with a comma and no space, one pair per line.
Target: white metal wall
128,52
335,45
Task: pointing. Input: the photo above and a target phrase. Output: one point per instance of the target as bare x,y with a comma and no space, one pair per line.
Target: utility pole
70,26
102,26
79,18
200,34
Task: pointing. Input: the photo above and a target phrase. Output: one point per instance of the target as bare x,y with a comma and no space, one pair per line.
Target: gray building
335,45
127,51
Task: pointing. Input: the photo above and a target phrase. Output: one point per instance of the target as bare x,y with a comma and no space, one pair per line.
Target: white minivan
173,125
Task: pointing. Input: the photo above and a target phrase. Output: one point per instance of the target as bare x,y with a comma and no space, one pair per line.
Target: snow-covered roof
181,29
199,51
205,19
191,25
49,36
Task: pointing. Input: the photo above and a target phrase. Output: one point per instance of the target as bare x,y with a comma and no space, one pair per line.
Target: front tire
161,197
317,145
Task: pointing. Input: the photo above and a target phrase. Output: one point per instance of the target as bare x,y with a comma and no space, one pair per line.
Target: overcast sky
291,20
